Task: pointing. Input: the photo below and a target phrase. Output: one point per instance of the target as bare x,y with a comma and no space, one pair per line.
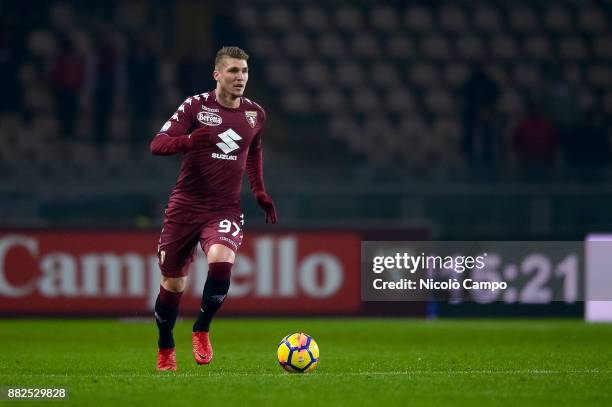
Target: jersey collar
214,94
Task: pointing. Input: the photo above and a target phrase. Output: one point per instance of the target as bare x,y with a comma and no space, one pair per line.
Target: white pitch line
339,374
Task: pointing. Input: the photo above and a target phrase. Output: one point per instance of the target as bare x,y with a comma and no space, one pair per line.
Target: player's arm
254,169
174,137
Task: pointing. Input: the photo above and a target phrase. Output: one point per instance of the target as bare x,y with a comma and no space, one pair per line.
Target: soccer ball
298,353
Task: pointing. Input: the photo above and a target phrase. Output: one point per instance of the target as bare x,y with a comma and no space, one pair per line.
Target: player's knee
220,253
174,284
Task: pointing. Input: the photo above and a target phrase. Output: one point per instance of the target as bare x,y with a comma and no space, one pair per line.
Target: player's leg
220,262
220,240
166,312
167,307
176,246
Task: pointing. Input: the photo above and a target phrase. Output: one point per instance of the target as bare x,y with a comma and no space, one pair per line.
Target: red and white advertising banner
116,273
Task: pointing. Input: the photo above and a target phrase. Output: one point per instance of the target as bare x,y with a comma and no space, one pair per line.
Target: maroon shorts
179,238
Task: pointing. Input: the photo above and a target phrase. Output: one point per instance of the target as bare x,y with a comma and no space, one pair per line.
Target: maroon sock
169,298
215,289
220,271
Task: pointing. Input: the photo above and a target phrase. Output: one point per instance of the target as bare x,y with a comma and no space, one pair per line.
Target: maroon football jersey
210,176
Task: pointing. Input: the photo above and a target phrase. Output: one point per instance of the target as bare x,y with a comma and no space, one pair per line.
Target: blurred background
475,119
471,120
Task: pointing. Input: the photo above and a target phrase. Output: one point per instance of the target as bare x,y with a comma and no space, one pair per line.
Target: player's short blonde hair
232,52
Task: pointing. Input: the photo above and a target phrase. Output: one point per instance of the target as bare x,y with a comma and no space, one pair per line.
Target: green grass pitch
380,362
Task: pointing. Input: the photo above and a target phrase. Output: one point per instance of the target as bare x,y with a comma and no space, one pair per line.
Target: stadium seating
384,78
410,60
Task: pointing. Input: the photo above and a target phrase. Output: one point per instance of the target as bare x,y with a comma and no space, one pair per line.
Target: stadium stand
367,85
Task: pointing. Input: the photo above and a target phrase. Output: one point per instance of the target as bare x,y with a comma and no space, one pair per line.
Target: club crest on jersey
209,118
251,117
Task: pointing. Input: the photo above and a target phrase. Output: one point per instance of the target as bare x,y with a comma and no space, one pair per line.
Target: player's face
232,76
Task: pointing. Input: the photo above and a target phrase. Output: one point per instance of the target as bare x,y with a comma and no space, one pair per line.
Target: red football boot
166,359
202,349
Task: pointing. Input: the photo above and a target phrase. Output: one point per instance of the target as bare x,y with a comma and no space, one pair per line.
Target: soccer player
219,135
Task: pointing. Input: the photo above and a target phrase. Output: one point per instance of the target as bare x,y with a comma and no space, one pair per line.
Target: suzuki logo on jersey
228,137
228,144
